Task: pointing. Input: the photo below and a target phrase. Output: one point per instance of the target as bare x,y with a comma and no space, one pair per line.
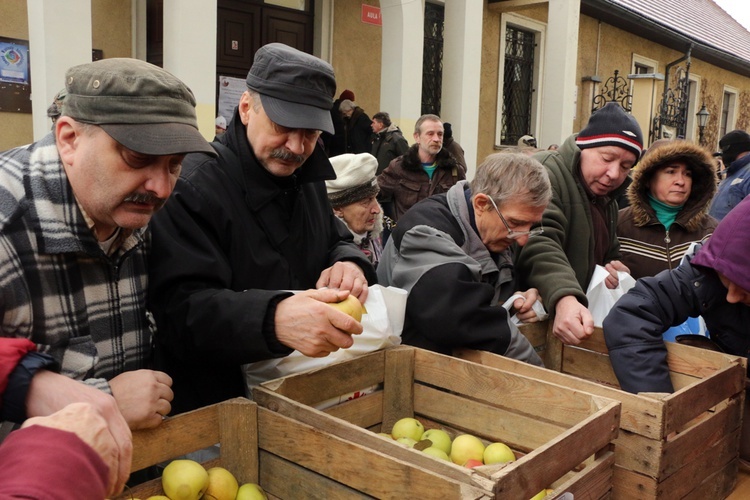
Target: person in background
244,230
75,212
453,147
425,169
735,154
353,196
357,127
668,211
335,143
71,453
388,142
580,223
714,283
553,147
221,125
453,253
526,141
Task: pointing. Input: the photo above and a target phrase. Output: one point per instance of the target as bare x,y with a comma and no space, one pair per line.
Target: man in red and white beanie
587,174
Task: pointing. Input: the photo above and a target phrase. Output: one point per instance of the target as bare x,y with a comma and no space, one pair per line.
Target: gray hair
516,177
424,118
346,105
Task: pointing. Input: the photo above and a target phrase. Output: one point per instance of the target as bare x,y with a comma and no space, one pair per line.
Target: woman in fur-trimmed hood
669,199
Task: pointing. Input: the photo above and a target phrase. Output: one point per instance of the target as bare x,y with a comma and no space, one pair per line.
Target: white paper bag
601,298
382,327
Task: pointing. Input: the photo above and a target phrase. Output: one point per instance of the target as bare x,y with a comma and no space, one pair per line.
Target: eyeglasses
512,234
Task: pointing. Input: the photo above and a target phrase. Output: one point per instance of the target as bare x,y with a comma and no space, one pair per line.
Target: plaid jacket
57,287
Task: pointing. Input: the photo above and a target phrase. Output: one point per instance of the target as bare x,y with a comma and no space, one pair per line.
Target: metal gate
432,58
517,84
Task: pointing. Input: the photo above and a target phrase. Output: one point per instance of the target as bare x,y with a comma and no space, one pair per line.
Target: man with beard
74,210
425,169
244,230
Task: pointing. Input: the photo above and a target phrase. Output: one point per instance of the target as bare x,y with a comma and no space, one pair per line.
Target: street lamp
702,120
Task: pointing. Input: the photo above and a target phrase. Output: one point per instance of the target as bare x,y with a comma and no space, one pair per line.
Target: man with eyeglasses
245,229
587,174
453,252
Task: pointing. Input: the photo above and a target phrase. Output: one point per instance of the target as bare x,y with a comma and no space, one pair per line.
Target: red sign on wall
371,15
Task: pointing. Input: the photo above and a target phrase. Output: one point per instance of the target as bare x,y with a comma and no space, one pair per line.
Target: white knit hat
355,178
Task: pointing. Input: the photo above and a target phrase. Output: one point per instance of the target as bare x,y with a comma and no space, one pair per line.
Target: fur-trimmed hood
703,170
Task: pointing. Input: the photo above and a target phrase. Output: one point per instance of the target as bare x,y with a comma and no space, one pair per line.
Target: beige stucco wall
15,128
602,49
356,54
111,32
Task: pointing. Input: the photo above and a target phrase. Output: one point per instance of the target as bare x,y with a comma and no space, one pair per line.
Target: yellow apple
350,305
408,427
222,485
439,438
407,441
542,494
498,453
466,447
158,497
251,491
436,452
184,480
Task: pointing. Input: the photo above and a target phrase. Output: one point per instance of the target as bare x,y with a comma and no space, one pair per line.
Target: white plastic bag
538,308
601,298
382,326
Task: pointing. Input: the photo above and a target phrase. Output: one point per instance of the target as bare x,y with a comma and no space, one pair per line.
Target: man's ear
338,213
66,133
480,203
245,107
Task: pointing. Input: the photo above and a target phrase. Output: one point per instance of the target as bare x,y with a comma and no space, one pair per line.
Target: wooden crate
563,436
289,459
680,445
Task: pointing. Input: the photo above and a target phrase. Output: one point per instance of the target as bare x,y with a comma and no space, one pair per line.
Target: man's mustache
146,198
286,155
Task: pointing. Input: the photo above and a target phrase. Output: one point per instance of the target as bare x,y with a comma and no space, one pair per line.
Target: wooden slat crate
563,436
289,459
680,445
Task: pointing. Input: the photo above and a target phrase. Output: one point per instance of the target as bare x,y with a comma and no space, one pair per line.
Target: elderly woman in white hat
353,198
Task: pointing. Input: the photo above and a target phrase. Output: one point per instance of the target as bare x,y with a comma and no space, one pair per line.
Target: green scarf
665,213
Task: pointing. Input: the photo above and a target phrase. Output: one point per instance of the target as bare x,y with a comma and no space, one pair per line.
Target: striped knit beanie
612,126
355,179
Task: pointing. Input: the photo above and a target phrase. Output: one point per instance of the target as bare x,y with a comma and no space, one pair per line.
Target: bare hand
143,396
345,276
524,306
87,423
305,323
50,392
573,322
613,280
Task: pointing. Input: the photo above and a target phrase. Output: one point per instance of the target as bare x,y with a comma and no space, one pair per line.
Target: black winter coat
227,247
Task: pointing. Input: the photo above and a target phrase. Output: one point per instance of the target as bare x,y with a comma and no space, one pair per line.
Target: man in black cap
74,210
587,174
736,185
245,229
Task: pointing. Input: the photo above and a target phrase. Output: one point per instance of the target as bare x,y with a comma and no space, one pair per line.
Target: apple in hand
350,305
439,438
466,447
498,453
408,427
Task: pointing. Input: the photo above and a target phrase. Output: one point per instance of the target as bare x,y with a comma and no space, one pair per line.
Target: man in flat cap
74,210
735,154
244,230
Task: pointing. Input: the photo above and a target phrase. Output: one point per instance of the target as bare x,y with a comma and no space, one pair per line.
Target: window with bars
432,58
517,84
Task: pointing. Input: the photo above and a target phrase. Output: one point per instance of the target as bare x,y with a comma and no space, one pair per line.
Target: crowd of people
143,266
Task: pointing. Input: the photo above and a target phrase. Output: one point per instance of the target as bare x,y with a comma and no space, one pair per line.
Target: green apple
251,491
407,441
498,453
466,447
436,452
222,485
184,480
408,427
440,439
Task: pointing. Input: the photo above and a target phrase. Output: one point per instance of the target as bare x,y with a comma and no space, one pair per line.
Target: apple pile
465,449
189,480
